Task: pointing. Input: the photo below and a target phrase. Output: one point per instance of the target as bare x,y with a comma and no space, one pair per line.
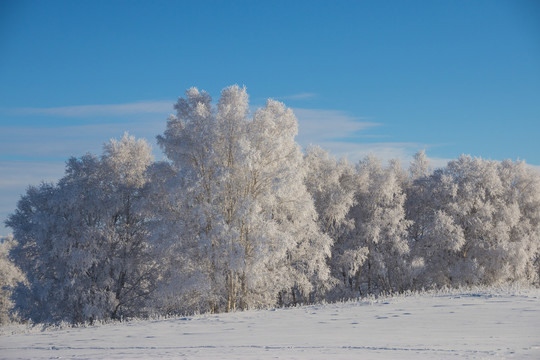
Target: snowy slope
473,325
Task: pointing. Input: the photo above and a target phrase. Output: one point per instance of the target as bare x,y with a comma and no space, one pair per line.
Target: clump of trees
238,217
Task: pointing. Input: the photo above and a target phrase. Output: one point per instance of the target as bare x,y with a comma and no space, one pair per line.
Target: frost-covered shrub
10,276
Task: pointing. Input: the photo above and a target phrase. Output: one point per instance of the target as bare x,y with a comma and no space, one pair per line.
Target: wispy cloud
300,96
16,174
143,107
385,151
74,140
344,135
336,131
318,125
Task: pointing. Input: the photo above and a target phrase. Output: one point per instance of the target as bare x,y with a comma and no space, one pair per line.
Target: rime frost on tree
10,277
380,226
242,209
238,217
476,222
83,242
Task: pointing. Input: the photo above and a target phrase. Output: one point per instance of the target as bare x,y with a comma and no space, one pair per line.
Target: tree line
239,217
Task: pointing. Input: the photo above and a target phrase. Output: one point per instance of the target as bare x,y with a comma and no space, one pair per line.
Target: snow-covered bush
10,276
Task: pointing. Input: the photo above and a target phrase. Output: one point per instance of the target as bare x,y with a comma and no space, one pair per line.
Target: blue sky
388,77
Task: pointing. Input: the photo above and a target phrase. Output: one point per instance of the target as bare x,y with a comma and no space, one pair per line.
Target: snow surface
459,325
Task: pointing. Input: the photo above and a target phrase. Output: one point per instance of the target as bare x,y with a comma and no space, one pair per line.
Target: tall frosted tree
243,211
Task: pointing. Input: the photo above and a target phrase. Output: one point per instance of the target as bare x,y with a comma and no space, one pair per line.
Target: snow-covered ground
458,325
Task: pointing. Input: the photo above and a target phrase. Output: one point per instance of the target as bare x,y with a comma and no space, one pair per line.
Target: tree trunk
231,291
243,285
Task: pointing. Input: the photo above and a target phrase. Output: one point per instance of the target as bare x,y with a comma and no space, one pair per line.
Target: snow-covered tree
419,167
333,185
10,276
288,206
82,242
245,221
476,222
521,201
132,268
418,208
34,225
380,232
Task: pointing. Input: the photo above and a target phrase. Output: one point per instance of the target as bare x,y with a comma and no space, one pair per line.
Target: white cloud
336,131
316,126
342,135
20,174
66,141
301,96
143,107
385,151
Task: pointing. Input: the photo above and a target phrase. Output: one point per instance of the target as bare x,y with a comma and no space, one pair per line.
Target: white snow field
458,325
